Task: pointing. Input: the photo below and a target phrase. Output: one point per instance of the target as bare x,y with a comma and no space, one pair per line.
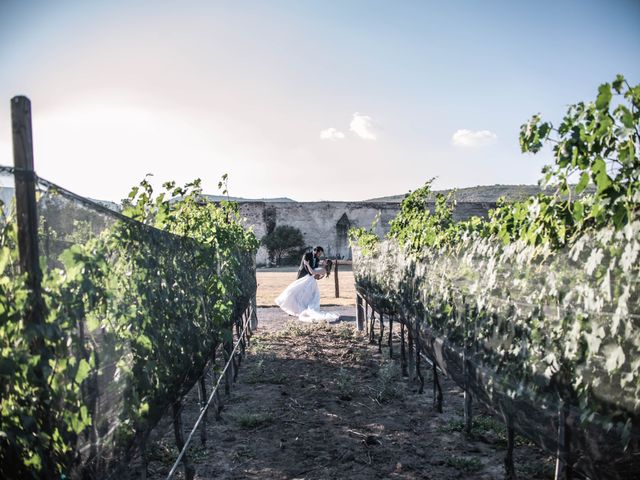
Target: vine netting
535,310
533,331
133,314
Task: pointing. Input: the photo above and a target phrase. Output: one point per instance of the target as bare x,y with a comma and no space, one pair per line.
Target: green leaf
582,184
600,176
617,83
625,116
578,211
145,342
604,97
83,371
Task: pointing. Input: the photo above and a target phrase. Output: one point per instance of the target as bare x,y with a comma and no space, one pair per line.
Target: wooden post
229,375
418,370
27,222
219,401
411,354
403,351
335,278
179,434
254,317
509,468
202,394
372,325
468,398
380,317
416,340
390,341
26,210
466,364
437,390
360,316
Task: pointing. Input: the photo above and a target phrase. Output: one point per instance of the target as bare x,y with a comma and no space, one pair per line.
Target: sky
312,100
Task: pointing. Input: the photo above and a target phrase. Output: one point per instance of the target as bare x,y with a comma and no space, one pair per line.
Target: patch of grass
258,346
454,425
360,355
162,452
345,385
296,328
242,454
483,426
464,464
198,454
345,331
253,420
389,385
166,453
538,469
257,373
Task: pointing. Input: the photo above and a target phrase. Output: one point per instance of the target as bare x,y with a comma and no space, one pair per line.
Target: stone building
327,223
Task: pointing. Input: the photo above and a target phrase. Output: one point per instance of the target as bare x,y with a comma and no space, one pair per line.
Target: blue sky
333,100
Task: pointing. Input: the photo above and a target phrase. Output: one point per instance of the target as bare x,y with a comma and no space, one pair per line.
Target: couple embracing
302,297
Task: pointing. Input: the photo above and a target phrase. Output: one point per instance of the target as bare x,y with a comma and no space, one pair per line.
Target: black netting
133,317
532,333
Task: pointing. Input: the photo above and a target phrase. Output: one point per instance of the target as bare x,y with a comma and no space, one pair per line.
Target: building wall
323,223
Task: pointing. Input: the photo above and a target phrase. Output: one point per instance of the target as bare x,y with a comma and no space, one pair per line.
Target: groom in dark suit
313,258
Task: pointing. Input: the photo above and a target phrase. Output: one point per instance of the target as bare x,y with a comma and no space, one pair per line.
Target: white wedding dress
302,299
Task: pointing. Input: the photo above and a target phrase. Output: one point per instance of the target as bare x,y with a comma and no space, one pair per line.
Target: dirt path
316,401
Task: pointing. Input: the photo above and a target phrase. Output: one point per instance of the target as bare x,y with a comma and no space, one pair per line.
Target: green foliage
147,301
41,410
364,238
254,420
282,240
417,228
466,465
596,142
389,385
545,290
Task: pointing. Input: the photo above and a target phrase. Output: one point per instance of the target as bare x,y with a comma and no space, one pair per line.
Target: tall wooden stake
335,278
26,208
202,396
27,222
178,431
360,315
509,468
403,351
390,340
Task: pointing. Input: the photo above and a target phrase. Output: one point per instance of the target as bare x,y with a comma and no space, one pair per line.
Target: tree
284,239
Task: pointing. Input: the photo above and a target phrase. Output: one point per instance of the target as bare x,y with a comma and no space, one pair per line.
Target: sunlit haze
324,100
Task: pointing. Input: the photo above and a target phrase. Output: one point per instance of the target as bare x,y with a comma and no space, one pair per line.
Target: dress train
302,299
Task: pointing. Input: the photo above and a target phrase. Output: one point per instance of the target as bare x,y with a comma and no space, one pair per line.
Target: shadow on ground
317,401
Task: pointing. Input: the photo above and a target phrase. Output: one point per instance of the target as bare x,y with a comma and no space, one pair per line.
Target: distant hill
483,193
218,198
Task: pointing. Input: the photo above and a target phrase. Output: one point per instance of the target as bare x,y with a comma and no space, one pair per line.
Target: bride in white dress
302,297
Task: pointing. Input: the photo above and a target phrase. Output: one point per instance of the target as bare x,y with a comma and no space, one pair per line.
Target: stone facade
327,223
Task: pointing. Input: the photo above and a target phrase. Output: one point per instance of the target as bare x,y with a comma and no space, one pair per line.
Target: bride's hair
328,266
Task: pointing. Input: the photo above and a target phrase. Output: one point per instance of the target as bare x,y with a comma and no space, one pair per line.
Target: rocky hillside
484,193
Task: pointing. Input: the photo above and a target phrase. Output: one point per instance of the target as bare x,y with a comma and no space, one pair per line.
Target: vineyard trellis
136,308
534,311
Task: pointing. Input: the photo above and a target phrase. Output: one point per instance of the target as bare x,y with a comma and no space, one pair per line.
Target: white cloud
469,138
331,134
361,125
